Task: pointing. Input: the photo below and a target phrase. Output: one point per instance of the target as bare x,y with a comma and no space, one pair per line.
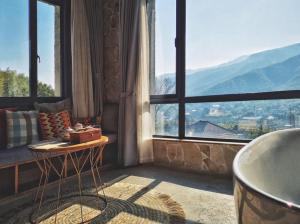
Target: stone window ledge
206,157
199,141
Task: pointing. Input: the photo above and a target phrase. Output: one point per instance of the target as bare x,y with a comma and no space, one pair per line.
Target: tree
45,90
13,84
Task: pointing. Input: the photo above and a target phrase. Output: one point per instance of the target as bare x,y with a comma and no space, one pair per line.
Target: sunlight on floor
126,216
73,215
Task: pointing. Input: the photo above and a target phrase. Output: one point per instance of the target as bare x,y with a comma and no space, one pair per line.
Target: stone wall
112,79
201,157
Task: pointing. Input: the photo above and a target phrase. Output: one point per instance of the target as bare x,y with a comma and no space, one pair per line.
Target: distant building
206,129
216,111
249,123
270,123
297,121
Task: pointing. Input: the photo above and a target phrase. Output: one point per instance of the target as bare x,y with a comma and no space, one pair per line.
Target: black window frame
180,98
65,56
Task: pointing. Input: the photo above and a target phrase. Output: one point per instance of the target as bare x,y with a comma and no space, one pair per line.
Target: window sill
219,142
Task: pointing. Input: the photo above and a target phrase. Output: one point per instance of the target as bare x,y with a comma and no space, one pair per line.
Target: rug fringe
177,215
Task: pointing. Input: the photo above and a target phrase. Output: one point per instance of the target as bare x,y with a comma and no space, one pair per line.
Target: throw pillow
54,107
53,125
22,128
3,129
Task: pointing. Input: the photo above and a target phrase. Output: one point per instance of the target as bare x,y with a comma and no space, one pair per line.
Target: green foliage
13,84
45,90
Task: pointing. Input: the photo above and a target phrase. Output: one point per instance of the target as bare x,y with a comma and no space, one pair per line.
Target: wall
201,157
111,58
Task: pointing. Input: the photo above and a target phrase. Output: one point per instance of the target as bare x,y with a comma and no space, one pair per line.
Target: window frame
65,57
181,99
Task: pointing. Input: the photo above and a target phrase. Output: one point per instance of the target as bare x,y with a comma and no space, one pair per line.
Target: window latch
39,58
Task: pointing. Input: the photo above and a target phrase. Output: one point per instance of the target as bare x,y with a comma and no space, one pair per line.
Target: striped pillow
22,128
53,125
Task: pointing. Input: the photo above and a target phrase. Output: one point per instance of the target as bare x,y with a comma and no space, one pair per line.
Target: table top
58,146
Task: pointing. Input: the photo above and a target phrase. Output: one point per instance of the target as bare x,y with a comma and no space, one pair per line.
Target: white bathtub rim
241,178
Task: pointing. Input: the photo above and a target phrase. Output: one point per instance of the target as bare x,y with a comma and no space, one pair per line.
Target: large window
31,48
237,68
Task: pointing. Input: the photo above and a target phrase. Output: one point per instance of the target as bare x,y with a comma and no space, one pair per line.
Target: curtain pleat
144,121
94,11
135,131
129,43
82,86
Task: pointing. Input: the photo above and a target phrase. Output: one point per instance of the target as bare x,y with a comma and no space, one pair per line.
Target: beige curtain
135,140
129,49
144,123
82,86
94,10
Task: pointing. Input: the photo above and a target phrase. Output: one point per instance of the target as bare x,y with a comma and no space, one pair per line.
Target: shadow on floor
116,208
216,184
154,176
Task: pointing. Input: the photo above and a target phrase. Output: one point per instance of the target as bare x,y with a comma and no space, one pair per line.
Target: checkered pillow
22,128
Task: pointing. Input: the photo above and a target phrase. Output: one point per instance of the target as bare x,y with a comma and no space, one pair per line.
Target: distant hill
205,81
198,83
280,76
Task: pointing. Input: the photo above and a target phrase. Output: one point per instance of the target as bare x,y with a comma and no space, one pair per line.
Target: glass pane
163,52
242,46
165,119
14,48
49,67
241,120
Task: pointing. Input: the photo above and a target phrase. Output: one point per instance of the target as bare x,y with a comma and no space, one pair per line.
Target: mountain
199,82
280,76
205,81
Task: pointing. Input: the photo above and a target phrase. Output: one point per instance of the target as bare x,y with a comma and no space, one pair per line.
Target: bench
18,168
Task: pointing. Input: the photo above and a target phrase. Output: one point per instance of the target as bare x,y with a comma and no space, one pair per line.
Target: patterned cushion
53,125
3,129
22,128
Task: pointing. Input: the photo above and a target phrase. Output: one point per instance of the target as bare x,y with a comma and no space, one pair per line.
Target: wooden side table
91,153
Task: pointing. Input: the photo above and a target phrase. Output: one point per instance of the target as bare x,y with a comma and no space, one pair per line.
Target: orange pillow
53,125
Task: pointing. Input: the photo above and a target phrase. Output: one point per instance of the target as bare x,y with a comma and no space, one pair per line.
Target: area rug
127,203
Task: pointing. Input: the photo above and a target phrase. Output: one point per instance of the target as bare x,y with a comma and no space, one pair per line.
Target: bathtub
267,179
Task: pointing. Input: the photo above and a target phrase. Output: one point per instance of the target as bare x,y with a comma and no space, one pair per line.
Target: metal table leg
93,156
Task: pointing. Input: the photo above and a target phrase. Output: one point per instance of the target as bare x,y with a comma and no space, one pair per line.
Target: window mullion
180,63
33,47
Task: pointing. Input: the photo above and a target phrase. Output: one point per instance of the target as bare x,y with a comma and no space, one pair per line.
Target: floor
204,199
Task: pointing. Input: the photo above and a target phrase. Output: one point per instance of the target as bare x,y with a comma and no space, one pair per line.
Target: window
14,48
165,117
240,120
49,60
164,79
237,68
31,48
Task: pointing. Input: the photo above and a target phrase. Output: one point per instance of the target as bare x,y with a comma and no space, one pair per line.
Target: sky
14,38
218,31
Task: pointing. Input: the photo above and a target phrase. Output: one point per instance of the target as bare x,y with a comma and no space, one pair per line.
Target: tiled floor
205,199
